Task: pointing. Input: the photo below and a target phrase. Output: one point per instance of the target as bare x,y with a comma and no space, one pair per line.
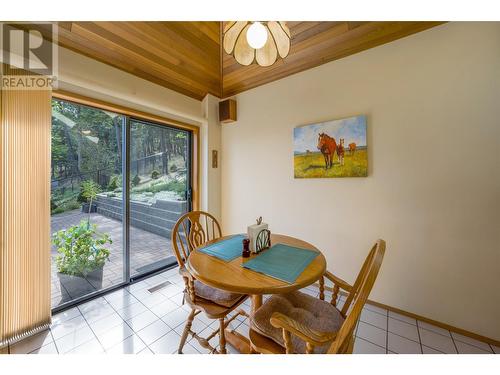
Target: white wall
433,190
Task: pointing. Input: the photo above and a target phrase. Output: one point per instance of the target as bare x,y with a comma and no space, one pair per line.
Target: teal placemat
226,250
282,262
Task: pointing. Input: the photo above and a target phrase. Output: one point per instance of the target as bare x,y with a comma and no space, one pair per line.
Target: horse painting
327,146
330,149
352,148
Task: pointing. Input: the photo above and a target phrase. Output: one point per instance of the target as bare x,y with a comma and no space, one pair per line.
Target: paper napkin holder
253,231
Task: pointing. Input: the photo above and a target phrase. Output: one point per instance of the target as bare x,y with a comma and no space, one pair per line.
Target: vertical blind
25,139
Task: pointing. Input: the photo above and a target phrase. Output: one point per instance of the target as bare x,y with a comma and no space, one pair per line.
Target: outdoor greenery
81,249
87,145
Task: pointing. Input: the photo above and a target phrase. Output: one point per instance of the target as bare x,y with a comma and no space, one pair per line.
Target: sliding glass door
159,184
86,174
106,233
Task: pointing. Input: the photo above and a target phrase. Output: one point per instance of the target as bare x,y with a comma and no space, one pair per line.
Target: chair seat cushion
309,311
218,296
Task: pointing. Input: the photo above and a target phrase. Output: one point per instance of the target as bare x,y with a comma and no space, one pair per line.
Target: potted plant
82,255
89,191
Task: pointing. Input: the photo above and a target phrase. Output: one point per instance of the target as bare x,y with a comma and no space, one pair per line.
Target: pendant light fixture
259,42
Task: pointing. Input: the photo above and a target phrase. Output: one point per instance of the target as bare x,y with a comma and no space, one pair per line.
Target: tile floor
159,249
134,320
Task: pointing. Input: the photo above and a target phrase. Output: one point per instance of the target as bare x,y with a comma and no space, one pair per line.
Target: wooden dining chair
193,230
299,323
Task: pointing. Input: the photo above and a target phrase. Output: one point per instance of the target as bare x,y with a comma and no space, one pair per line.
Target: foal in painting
340,151
327,146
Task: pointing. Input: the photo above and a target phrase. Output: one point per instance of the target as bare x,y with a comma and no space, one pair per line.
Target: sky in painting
352,129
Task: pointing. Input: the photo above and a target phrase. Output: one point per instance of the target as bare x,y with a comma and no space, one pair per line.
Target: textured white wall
433,191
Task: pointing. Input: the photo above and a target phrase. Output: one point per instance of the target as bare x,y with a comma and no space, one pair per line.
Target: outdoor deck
146,248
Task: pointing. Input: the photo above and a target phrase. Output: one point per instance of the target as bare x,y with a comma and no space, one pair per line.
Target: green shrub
173,168
115,182
81,249
136,180
155,174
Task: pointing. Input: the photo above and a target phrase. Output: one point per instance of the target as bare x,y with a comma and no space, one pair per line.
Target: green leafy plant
115,182
89,191
81,249
136,180
155,174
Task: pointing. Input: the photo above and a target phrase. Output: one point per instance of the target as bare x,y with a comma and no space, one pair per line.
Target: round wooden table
231,276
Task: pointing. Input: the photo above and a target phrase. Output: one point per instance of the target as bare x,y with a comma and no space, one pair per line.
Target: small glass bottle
246,248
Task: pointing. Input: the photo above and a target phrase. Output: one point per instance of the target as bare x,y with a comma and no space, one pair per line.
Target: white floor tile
65,315
176,318
371,333
428,350
178,299
131,311
153,300
433,328
471,341
402,318
46,349
124,301
98,312
146,350
171,290
406,330
437,341
464,348
93,304
153,332
164,308
365,347
74,339
166,344
401,345
31,343
103,325
91,347
142,320
68,326
373,318
375,309
131,345
120,293
187,349
115,335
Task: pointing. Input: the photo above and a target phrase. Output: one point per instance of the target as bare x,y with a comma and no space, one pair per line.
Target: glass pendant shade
260,42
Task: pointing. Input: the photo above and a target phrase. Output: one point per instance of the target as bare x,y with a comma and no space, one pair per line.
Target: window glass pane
86,196
159,177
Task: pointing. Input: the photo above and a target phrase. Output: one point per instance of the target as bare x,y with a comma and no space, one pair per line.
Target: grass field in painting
312,165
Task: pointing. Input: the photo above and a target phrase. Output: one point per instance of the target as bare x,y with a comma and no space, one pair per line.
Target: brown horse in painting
327,146
352,148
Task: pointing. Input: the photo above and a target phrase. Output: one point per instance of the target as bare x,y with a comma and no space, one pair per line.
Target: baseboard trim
428,320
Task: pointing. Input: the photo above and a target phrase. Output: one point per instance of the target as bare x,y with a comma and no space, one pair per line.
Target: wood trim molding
140,115
446,326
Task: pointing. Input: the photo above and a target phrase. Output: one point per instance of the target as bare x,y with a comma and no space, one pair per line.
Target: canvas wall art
328,149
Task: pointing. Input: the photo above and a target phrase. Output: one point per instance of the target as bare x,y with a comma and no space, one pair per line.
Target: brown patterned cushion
309,311
218,296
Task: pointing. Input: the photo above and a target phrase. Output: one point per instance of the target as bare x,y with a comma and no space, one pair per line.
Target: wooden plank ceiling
187,56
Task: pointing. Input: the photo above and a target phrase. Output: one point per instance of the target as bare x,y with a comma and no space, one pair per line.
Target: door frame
194,178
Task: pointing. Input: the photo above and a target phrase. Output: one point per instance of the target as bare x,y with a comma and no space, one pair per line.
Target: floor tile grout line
454,344
419,339
387,334
97,338
362,338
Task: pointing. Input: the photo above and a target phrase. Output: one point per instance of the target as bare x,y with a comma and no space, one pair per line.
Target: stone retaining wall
159,217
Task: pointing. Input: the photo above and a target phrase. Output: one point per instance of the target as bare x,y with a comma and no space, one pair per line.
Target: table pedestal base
239,342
